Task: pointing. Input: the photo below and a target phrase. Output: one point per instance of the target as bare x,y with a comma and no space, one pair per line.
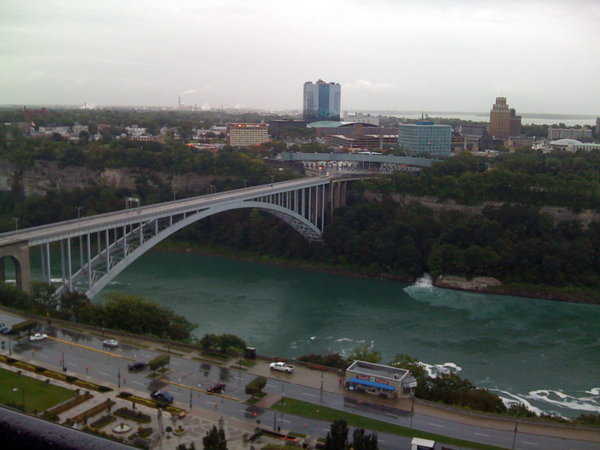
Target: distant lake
526,118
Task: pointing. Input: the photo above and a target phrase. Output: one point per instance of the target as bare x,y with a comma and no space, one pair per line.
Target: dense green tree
215,439
365,353
364,441
137,315
337,436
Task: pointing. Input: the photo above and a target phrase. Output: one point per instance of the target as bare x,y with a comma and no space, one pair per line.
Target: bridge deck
36,235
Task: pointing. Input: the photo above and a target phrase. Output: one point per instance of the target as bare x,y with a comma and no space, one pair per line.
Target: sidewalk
312,378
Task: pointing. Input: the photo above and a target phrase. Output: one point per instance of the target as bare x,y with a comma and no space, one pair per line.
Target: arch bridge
89,252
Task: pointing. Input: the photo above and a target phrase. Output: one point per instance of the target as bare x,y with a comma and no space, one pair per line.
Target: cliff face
558,213
49,176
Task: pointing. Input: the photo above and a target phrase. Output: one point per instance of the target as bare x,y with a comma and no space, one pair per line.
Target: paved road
77,353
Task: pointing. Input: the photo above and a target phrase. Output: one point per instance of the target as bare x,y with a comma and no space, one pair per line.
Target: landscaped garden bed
103,421
173,410
82,417
70,404
133,415
52,374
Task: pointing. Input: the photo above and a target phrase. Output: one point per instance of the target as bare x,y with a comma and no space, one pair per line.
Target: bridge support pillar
19,254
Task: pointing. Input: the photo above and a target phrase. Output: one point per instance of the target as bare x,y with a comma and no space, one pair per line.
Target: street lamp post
412,410
118,377
515,434
16,223
190,398
321,386
245,183
78,208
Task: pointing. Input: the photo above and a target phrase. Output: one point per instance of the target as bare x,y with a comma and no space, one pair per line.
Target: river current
544,354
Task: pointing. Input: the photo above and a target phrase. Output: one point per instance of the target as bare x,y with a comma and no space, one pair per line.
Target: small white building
379,379
421,444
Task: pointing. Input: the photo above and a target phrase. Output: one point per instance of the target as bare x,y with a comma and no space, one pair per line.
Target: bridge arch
298,222
19,256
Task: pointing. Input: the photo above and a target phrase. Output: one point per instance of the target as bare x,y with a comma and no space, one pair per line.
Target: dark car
216,388
162,396
137,366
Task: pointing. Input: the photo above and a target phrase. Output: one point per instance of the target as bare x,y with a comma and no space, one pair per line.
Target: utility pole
321,386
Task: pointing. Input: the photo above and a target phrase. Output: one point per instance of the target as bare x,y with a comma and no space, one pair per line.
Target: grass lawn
38,395
319,412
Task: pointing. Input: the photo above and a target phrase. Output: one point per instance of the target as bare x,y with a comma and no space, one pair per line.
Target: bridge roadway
76,227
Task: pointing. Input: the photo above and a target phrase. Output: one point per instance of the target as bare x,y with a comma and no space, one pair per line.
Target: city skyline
430,55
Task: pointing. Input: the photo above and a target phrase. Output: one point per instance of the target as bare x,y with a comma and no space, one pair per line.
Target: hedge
103,421
78,400
133,415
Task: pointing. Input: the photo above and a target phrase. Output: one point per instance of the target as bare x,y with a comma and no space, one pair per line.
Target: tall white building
321,101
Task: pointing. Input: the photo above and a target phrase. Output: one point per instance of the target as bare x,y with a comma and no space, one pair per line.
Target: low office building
247,134
425,138
569,133
365,141
515,143
379,379
585,147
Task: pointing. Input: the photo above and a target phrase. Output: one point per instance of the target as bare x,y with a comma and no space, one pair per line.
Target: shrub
256,386
133,415
158,362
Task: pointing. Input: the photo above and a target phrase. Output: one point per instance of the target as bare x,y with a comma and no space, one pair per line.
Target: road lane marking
436,425
104,352
104,373
41,355
482,434
73,364
530,443
309,394
138,382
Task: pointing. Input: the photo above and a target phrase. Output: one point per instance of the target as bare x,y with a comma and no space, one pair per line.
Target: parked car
282,367
137,366
217,388
37,337
7,330
162,396
110,343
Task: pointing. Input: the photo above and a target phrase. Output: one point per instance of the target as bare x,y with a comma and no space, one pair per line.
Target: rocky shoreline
490,285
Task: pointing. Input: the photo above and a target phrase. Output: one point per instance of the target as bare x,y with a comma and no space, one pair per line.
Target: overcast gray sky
445,55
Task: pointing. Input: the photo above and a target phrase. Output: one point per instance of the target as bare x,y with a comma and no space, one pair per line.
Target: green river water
546,354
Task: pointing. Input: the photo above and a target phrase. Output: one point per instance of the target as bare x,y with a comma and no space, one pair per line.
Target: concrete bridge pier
19,254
